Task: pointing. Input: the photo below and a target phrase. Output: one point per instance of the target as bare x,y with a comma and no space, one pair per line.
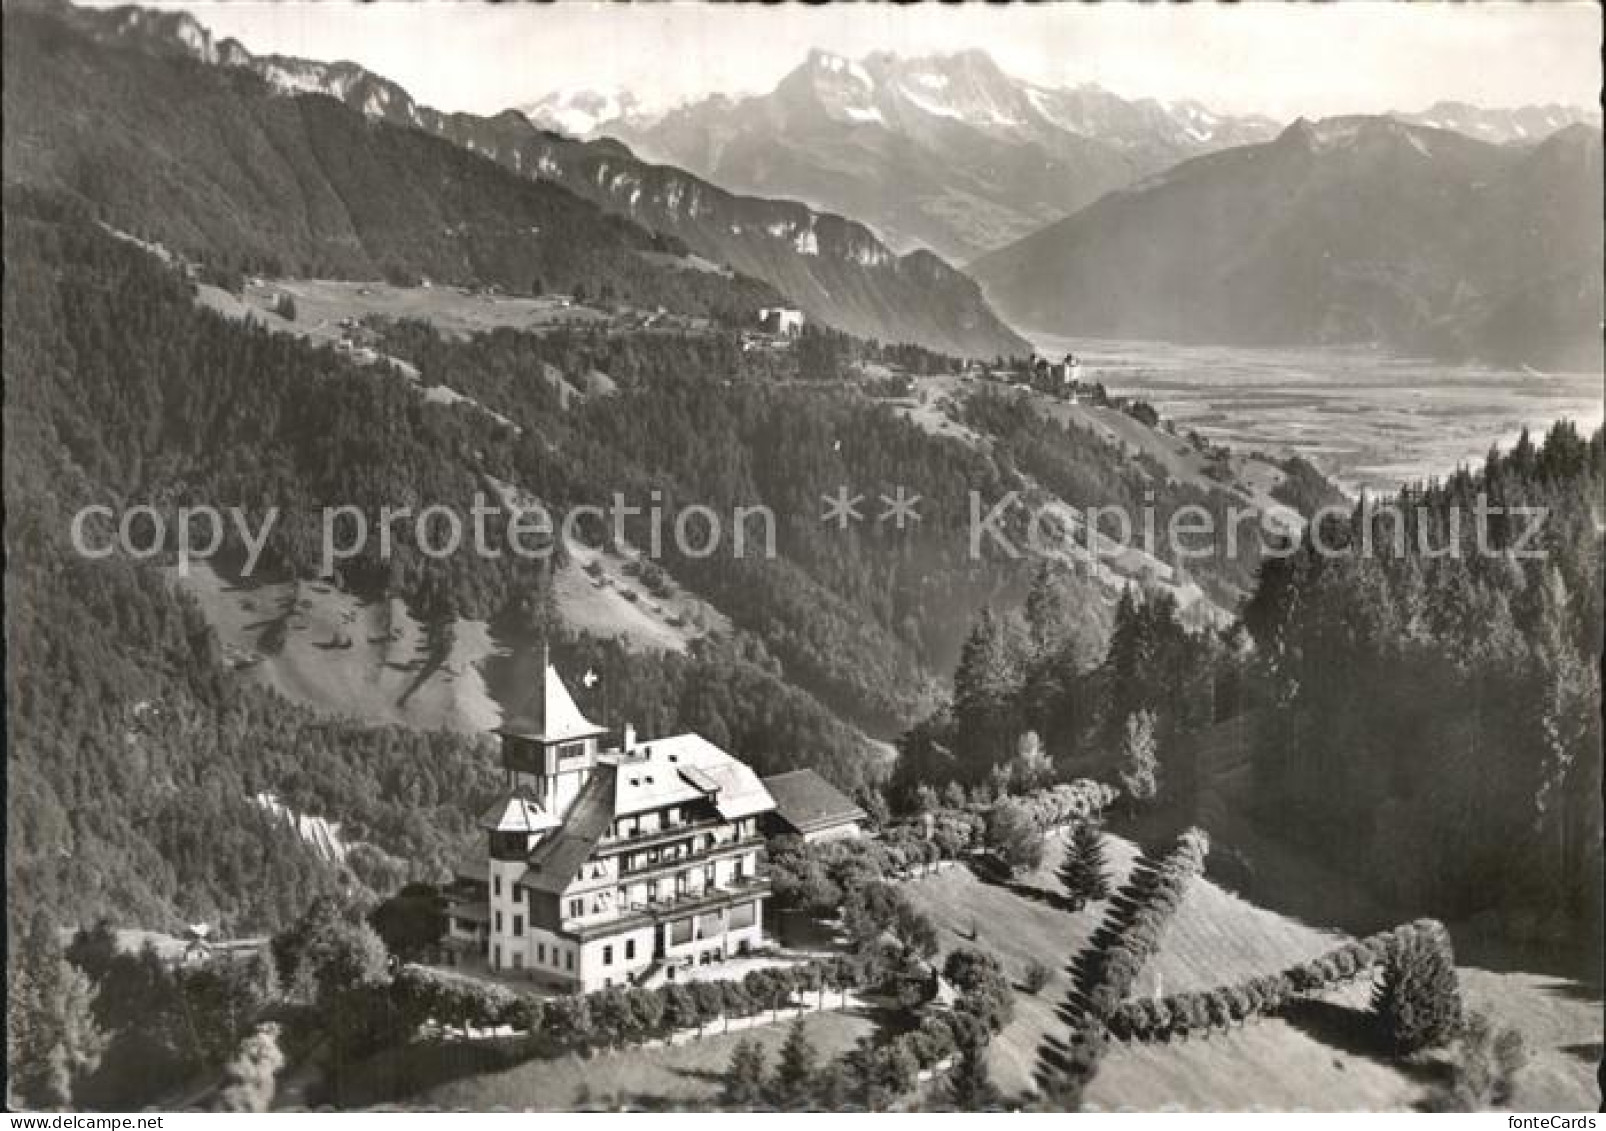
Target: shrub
1015,835
1483,1069
1036,976
966,968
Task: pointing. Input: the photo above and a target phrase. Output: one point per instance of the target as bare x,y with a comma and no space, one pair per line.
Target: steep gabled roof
555,862
555,717
808,802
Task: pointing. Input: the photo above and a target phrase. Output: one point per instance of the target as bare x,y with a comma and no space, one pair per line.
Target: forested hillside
123,389
245,181
134,755
1435,715
1421,715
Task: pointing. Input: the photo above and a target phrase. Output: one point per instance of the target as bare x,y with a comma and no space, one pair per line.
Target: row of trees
1138,916
1416,998
619,1016
1109,966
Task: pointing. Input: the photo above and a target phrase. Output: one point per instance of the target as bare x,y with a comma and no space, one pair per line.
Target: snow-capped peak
839,65
581,112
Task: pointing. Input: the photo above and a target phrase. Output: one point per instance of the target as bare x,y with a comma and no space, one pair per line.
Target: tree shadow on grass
1587,1051
702,1075
1047,896
1574,991
1349,1030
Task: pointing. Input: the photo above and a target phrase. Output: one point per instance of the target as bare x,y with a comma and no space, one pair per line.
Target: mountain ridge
833,267
1350,230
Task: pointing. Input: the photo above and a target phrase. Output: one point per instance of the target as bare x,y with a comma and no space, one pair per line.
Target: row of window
630,952
645,824
561,959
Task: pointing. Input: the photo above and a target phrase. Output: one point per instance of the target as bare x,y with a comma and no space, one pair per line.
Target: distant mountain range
834,268
945,152
1503,125
1347,230
1468,237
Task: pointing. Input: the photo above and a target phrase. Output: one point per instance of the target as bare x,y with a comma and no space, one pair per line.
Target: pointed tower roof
556,717
515,814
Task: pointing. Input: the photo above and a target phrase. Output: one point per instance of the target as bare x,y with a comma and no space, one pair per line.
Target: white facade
606,866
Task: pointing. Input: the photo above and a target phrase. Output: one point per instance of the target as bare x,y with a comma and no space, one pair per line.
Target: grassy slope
385,675
681,1075
1315,1059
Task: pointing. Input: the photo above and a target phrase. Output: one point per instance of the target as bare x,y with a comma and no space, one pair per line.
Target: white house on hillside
603,865
781,320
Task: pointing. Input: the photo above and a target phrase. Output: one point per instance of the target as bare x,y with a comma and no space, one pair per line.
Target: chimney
630,736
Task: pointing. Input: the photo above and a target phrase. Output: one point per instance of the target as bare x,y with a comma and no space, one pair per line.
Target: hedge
1130,934
1265,995
1137,918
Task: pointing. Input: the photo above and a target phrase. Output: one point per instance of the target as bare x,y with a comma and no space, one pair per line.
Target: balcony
612,842
661,910
668,864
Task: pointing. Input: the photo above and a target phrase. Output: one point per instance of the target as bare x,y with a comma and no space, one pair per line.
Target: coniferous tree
1085,872
1051,617
970,1084
744,1079
1417,1000
831,1087
791,1087
52,1041
985,685
1139,764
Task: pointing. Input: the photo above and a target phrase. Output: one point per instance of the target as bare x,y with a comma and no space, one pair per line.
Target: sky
1271,57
